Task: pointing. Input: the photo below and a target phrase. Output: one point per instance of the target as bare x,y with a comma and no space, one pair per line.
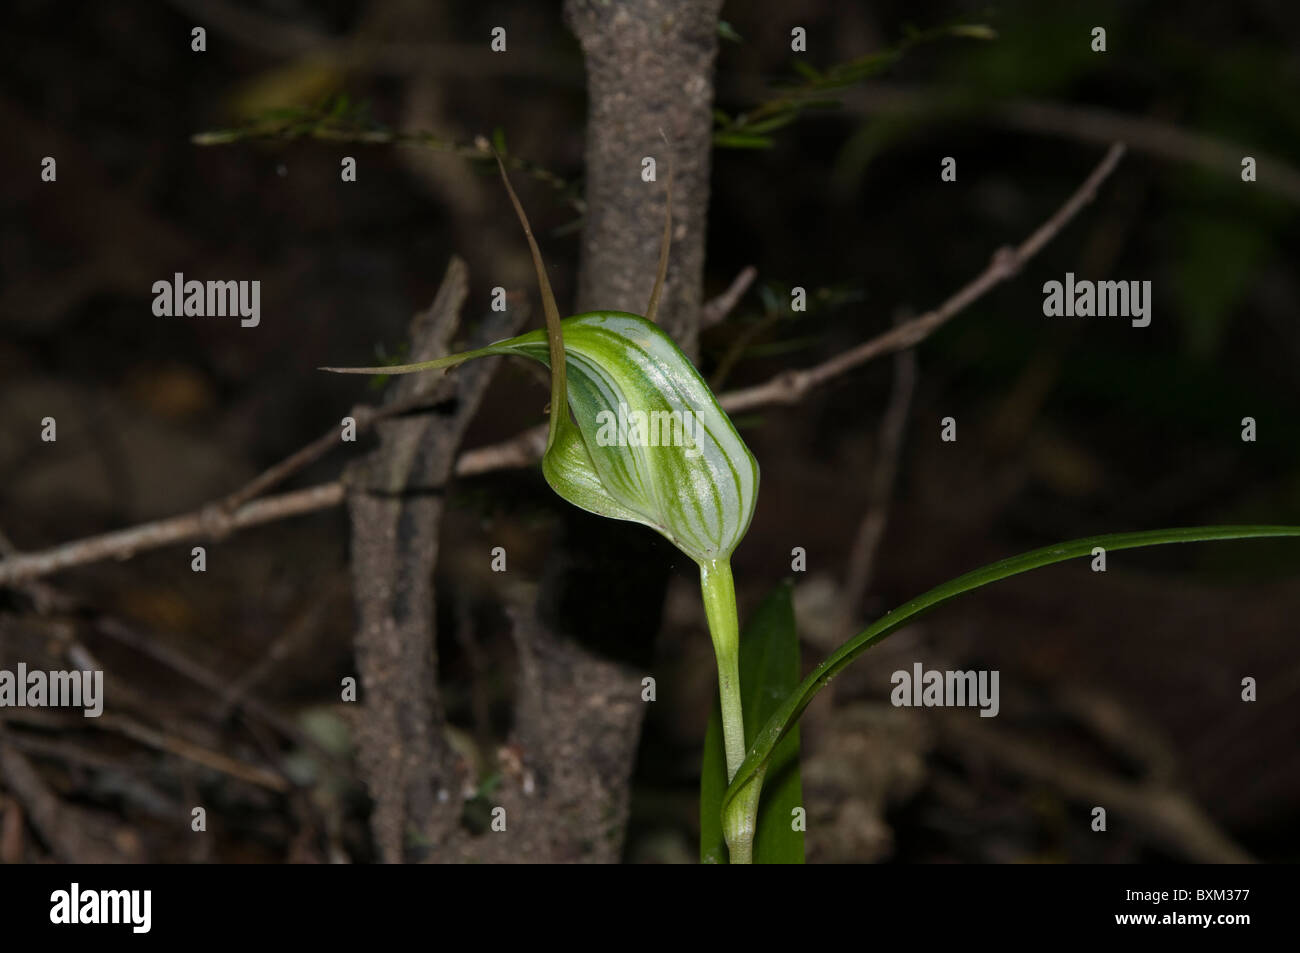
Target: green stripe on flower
658,448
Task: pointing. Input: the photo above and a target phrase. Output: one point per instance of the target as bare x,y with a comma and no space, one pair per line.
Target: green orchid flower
635,434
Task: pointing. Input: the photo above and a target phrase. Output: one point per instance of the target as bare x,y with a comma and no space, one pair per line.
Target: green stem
739,822
719,591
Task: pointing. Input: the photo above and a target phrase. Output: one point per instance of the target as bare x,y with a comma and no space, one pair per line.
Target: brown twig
215,520
1158,813
716,310
73,834
189,669
404,757
48,599
1146,134
365,416
11,831
190,751
277,37
889,447
521,450
1152,136
789,387
210,522
306,626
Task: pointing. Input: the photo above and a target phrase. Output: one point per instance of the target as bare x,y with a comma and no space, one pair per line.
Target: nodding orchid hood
648,442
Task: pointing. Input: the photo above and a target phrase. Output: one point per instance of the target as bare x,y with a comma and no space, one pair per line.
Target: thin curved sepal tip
665,244
451,360
554,333
395,369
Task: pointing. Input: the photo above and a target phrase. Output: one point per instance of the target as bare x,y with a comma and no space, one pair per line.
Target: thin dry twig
716,310
889,449
191,670
789,387
277,37
523,449
215,520
365,417
73,834
1150,135
1161,814
210,522
1147,134
191,751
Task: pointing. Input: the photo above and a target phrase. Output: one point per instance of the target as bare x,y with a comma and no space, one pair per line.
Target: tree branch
871,531
789,387
215,520
210,522
716,310
1146,134
649,69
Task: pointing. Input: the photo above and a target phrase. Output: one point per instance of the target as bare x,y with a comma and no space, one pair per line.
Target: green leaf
728,32
973,31
713,785
826,103
737,140
773,124
1218,260
769,671
762,749
864,67
806,70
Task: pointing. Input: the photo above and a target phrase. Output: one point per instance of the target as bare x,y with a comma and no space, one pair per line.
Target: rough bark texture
579,713
566,775
578,717
564,784
395,501
649,67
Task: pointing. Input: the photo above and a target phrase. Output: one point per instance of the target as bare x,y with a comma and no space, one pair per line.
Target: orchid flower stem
719,593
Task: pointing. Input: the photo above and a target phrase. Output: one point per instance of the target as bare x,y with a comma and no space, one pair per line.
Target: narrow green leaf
769,671
771,125
713,785
974,31
762,748
728,32
806,70
736,140
864,67
827,103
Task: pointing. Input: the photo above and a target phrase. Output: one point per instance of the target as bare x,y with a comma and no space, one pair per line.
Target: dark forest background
1122,686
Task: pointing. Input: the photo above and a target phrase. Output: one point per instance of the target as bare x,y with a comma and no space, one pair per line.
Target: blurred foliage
752,129
337,118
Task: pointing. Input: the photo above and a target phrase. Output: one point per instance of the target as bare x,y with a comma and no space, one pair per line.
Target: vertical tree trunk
649,67
395,500
578,710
